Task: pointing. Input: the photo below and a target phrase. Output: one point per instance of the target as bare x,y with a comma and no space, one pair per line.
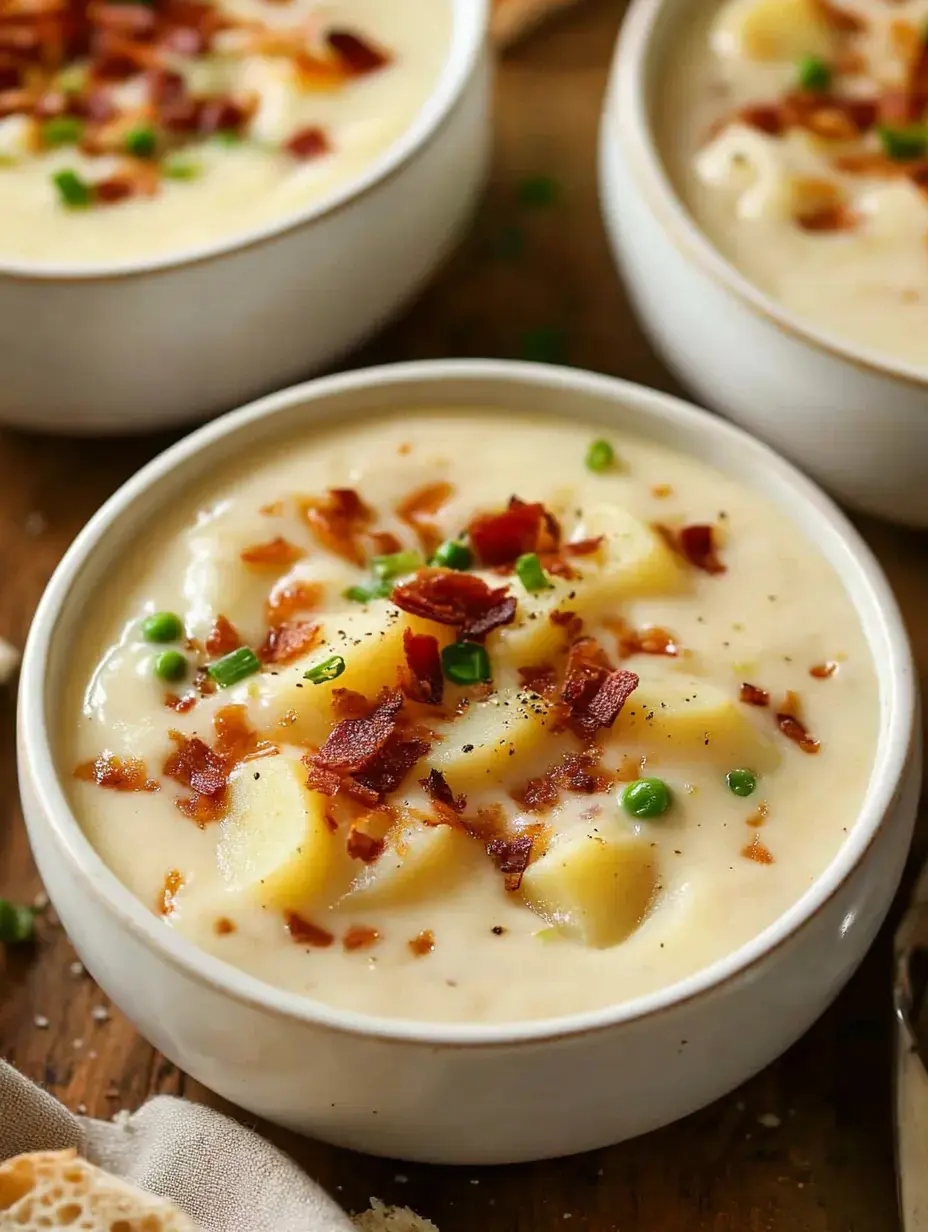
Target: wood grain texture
821,1158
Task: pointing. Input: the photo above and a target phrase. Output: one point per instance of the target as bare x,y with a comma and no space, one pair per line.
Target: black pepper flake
257,774
497,930
467,748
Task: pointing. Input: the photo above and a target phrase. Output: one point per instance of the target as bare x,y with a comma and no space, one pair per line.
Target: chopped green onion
162,627
466,663
453,555
74,192
537,191
814,74
227,136
62,130
600,456
179,169
233,667
142,142
170,665
364,594
531,574
905,143
741,782
547,345
398,563
17,924
322,673
646,798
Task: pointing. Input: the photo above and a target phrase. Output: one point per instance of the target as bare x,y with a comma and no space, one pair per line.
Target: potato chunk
771,30
678,717
370,640
275,842
595,889
533,637
418,861
634,560
491,738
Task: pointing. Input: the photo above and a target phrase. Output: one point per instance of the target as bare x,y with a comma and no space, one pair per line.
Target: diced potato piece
369,639
275,842
675,716
274,84
634,560
782,30
533,638
418,861
595,889
491,738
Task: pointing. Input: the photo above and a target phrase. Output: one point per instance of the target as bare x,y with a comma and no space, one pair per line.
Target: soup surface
157,127
622,726
794,131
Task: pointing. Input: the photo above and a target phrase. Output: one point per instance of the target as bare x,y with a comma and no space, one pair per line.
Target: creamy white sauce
776,612
867,285
236,187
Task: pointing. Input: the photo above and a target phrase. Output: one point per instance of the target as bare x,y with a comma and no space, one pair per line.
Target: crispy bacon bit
423,943
360,937
822,671
541,679
650,641
385,543
574,772
180,705
840,19
501,538
436,785
459,599
358,55
223,926
338,521
826,218
756,851
766,117
235,738
285,602
116,773
223,638
418,512
385,771
759,816
173,884
751,695
277,553
309,142
353,742
511,856
304,932
792,726
422,680
570,622
349,704
193,764
363,846
287,642
593,693
697,544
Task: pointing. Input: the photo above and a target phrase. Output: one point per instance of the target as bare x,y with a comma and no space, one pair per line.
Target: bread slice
382,1218
58,1189
513,18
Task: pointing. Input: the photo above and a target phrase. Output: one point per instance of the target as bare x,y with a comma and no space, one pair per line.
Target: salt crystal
40,1021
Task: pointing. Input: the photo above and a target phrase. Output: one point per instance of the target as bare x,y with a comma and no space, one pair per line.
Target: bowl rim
627,96
470,23
392,383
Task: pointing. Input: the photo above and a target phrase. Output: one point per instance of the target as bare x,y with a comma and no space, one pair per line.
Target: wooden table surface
804,1147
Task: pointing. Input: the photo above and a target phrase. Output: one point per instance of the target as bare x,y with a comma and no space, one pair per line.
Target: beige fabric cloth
225,1177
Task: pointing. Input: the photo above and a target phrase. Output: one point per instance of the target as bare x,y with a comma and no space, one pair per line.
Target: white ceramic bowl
153,343
471,1093
856,421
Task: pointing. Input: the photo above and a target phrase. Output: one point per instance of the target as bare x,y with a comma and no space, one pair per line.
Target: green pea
905,143
600,456
814,74
741,782
162,627
646,798
453,555
17,924
170,665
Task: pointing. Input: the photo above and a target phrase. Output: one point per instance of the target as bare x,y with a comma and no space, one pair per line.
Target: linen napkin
225,1177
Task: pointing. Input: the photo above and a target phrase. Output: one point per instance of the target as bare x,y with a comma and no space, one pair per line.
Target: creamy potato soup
130,130
389,718
795,131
